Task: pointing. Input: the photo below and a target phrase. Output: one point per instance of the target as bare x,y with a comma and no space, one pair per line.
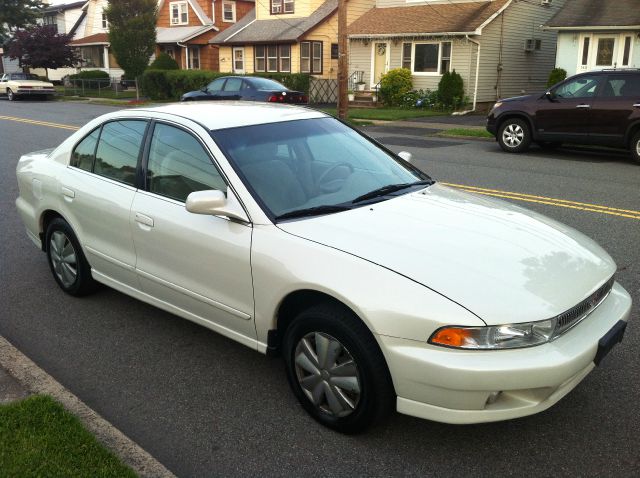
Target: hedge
172,84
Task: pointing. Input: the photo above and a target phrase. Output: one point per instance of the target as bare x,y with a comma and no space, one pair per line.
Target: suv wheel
635,147
336,369
514,135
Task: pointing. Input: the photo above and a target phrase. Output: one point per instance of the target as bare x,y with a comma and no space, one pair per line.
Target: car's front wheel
67,262
336,369
635,147
10,95
514,135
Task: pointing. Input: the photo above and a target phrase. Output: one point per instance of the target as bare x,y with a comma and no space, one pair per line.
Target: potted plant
351,96
360,86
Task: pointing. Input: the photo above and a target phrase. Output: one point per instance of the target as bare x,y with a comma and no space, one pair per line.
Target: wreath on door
382,49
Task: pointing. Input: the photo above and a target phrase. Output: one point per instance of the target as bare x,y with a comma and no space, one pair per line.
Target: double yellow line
40,123
628,213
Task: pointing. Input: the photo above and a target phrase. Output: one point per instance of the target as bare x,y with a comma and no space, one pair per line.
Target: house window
92,56
585,51
51,21
179,13
272,58
193,58
213,11
406,55
105,22
282,6
259,57
429,58
627,51
284,51
335,51
169,51
311,57
229,12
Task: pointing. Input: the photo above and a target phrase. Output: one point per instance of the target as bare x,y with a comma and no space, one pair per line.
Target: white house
597,34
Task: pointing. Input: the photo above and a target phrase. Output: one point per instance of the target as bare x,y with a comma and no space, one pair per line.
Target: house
287,36
65,18
497,46
185,27
597,34
92,40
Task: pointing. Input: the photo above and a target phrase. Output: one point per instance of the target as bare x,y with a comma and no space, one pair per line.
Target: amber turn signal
451,337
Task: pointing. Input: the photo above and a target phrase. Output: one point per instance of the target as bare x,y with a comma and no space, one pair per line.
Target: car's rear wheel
67,262
10,95
635,147
514,135
336,369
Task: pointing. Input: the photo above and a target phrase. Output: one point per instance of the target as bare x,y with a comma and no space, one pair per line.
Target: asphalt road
206,406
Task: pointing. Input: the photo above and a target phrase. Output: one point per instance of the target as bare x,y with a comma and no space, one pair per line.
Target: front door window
604,55
238,60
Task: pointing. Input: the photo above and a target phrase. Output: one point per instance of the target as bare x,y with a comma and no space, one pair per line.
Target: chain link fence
97,88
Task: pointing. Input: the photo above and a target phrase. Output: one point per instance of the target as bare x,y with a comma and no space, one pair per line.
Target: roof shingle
597,13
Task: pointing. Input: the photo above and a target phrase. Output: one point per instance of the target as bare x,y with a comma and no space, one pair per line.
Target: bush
164,62
172,84
101,77
556,76
421,99
451,90
394,85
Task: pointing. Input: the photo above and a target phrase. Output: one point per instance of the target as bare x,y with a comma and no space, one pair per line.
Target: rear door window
118,150
84,152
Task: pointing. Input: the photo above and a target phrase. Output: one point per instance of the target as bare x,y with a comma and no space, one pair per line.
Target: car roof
230,114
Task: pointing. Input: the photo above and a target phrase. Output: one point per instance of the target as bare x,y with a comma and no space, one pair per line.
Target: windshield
266,84
312,164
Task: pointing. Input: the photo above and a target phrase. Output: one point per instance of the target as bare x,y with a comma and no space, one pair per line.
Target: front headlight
497,105
511,336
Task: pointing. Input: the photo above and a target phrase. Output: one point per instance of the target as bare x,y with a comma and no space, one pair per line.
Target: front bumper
459,386
492,124
34,92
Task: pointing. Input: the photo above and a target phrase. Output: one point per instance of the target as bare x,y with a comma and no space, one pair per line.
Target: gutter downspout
475,87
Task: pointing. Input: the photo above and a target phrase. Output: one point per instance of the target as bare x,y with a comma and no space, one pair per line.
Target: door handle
583,106
70,193
145,220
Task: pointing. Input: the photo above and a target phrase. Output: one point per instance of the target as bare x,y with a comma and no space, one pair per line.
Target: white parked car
284,229
16,85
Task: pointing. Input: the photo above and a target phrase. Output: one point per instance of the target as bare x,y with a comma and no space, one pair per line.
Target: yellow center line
40,123
550,201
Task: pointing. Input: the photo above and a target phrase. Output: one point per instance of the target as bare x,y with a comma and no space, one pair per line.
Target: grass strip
39,438
385,114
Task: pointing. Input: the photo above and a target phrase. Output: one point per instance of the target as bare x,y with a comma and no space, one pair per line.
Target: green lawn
39,438
467,132
388,114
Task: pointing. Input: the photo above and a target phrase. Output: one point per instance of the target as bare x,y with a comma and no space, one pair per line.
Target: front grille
575,315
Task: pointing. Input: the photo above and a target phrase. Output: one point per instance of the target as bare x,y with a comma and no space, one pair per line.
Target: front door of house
238,60
380,61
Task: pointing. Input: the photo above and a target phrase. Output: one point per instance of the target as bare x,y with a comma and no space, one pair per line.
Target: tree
132,33
17,14
40,46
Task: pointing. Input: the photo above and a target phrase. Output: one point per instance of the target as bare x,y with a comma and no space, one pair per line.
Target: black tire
376,396
10,95
635,147
514,135
60,232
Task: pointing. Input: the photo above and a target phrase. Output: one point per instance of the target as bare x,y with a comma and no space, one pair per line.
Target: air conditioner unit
546,2
175,20
529,44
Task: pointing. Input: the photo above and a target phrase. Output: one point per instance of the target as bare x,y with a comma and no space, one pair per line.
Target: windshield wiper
313,211
388,189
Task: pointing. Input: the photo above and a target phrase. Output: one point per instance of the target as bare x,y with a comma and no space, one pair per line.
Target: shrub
164,62
451,90
394,85
171,84
556,76
421,99
100,76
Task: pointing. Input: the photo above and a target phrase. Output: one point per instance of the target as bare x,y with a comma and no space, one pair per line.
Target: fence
97,88
323,91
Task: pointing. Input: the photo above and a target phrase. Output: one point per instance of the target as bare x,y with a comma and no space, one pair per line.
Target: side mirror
215,203
406,155
204,89
549,95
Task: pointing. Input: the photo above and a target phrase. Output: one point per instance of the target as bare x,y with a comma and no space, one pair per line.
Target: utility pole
343,65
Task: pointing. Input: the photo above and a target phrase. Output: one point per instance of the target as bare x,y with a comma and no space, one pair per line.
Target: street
204,405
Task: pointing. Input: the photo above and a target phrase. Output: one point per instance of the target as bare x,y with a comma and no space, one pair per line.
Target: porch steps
363,99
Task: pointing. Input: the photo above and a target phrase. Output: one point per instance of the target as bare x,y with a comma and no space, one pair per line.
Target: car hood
502,262
32,83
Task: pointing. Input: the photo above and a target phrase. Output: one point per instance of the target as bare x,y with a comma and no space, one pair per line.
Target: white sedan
17,85
284,229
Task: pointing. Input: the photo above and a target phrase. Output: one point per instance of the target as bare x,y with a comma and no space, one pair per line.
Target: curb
36,380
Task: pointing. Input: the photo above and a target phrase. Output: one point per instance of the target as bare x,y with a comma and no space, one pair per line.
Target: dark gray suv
595,108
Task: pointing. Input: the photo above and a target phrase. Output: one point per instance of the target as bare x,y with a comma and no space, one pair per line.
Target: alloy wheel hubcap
513,135
63,258
327,374
638,148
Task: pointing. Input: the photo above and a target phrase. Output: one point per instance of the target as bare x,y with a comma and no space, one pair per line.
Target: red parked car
595,108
